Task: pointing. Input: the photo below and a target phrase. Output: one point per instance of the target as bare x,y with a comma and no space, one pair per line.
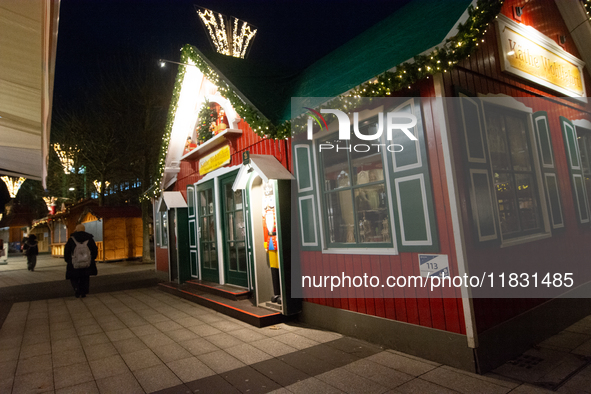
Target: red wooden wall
248,141
481,73
443,311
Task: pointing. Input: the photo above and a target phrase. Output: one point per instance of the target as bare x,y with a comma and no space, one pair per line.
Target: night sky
94,33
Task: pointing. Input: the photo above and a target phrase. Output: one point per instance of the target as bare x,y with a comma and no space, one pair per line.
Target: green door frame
207,232
233,235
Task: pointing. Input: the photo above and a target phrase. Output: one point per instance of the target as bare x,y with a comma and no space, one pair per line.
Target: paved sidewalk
51,269
145,341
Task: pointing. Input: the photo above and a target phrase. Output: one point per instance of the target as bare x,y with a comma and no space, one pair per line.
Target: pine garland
405,75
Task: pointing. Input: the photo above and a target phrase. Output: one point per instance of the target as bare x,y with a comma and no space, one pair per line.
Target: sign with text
434,265
529,54
214,160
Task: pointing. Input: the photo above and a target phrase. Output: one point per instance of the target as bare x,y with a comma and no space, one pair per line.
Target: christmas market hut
443,181
117,231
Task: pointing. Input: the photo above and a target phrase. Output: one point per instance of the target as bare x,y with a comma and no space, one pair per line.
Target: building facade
495,180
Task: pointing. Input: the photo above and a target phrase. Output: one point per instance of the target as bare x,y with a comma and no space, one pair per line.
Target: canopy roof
28,40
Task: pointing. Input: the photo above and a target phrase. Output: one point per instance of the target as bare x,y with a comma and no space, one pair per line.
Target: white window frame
332,128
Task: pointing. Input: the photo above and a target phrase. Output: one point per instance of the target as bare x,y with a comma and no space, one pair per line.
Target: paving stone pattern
147,341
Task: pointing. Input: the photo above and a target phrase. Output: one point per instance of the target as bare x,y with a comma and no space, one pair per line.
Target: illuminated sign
529,54
214,160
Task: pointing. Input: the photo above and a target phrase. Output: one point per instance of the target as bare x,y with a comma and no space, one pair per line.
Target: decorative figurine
385,232
270,244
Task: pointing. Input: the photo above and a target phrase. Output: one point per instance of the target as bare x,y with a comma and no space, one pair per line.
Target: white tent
28,41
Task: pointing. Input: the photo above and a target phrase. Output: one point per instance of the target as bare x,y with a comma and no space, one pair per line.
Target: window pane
516,131
528,207
164,222
336,164
341,223
229,194
230,226
232,257
241,256
585,149
497,143
506,200
237,198
372,218
239,225
367,166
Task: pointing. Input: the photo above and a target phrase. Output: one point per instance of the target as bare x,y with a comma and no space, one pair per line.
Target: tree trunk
146,220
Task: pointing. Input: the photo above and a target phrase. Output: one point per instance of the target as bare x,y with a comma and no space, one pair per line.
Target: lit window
513,172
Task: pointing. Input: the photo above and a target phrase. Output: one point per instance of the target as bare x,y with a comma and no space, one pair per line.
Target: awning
28,42
171,200
265,166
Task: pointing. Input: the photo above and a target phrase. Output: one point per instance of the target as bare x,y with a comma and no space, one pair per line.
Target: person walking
31,250
80,254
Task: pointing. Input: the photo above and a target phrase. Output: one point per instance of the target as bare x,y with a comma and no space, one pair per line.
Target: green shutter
480,179
192,223
157,229
544,142
304,169
573,158
414,211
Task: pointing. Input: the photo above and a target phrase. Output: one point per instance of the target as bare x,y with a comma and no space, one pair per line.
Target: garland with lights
441,59
454,49
587,4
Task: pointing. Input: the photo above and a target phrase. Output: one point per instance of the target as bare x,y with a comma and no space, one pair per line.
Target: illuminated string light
49,201
13,184
228,39
98,185
66,157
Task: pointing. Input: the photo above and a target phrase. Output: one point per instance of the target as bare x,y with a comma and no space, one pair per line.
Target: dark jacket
31,248
72,272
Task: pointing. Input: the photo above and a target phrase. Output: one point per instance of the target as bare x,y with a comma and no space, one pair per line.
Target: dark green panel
303,166
581,199
193,257
554,197
412,210
473,129
308,222
192,234
544,138
484,205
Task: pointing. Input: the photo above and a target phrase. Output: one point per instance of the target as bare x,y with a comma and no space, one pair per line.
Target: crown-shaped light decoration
66,156
49,201
13,184
99,186
230,39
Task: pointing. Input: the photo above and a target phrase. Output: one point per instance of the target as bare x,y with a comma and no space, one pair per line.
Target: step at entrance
241,309
226,291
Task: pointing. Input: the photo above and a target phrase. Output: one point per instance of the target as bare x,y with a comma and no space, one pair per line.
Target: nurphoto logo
395,122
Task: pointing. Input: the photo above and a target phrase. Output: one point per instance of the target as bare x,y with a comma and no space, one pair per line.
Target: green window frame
584,140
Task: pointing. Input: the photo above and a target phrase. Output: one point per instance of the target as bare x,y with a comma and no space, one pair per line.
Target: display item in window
221,122
270,239
385,230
